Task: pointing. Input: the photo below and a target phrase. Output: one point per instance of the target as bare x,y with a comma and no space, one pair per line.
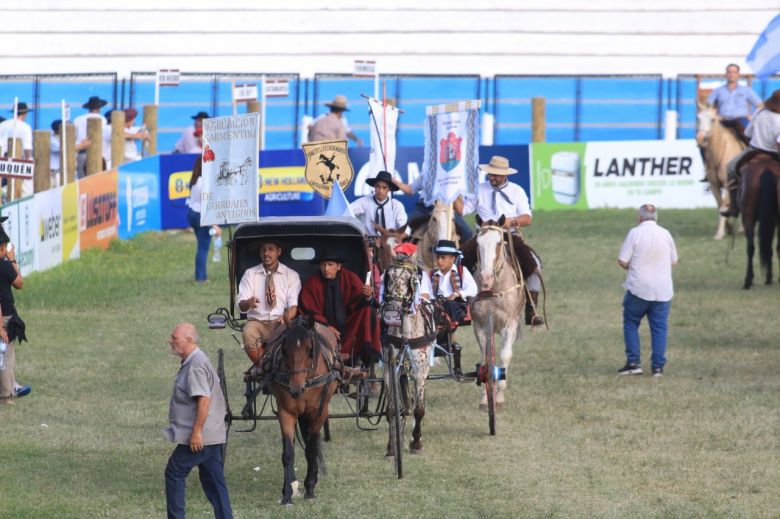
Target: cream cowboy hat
339,102
498,166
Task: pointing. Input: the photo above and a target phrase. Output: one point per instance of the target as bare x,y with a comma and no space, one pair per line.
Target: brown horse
720,146
388,239
426,233
303,371
759,201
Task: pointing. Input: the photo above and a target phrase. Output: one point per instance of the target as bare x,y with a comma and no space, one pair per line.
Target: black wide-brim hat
21,108
446,247
329,255
383,176
94,102
200,115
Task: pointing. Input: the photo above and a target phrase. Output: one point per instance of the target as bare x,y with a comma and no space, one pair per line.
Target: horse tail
767,215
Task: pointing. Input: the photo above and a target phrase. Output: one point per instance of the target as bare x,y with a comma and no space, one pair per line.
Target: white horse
720,146
497,275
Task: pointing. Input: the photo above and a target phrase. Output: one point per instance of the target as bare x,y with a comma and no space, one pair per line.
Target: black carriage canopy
303,240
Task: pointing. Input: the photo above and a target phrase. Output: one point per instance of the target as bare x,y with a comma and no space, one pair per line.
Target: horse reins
498,266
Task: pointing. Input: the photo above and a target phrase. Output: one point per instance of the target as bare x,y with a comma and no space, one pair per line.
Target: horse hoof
311,495
389,454
286,502
415,449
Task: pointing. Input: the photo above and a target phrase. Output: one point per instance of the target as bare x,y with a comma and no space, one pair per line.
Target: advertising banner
48,221
139,199
451,164
623,174
229,177
20,227
98,210
70,221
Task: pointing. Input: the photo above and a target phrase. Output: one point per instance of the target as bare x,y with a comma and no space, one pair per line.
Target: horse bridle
498,265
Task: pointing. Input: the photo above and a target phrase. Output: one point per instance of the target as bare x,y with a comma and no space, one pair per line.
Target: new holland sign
16,168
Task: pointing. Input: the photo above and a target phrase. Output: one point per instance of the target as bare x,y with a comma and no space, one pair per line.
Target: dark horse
758,201
303,371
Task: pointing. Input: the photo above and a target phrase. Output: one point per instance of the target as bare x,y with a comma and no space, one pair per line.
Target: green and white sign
618,174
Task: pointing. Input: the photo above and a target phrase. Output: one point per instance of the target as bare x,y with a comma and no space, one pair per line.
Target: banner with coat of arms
327,162
451,163
230,164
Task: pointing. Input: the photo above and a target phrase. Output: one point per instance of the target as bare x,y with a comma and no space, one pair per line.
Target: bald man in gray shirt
197,427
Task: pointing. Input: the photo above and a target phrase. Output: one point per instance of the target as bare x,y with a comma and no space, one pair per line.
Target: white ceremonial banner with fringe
383,121
230,166
451,163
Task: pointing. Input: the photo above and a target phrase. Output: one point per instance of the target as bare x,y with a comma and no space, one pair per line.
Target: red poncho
360,331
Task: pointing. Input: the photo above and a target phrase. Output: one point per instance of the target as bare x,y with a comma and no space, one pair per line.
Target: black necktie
379,217
500,191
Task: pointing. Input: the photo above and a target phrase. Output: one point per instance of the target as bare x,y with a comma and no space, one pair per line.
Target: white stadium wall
406,36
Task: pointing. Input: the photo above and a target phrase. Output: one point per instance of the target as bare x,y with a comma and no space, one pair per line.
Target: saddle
769,159
736,127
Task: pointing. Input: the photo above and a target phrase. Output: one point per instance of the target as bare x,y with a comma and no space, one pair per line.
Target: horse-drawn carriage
399,385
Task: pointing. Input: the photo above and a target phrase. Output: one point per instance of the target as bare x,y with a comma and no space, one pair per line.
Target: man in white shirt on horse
380,209
498,197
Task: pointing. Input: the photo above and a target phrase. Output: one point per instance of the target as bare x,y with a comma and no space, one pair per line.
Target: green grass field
574,440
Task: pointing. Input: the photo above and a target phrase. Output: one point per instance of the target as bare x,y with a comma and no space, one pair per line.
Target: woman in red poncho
338,298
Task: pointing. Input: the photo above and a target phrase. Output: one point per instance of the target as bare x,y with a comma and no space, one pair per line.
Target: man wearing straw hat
333,126
17,129
495,198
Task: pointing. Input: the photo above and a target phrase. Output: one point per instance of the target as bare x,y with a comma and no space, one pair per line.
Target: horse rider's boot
531,317
732,211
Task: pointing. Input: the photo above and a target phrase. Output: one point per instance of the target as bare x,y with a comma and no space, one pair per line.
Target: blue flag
764,59
338,205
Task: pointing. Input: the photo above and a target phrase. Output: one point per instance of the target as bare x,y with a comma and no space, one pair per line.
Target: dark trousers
203,238
212,479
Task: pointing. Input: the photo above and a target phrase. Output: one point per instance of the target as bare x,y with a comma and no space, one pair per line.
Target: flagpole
63,147
384,125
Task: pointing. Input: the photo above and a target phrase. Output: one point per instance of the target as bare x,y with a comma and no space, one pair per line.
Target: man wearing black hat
93,106
191,138
17,129
338,298
379,209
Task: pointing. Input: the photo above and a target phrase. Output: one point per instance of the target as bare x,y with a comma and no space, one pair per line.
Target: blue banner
139,197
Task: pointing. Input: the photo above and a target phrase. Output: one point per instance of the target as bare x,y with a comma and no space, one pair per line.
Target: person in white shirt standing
94,104
191,140
648,254
133,133
380,208
268,293
17,129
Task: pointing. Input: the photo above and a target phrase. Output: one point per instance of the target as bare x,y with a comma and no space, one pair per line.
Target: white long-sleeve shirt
468,287
518,204
287,285
365,209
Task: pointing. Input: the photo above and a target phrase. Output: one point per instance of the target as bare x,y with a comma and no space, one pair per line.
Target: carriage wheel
395,401
223,388
490,384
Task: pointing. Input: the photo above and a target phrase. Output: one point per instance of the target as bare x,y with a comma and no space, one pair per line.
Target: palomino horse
409,333
720,146
302,372
427,234
760,201
502,283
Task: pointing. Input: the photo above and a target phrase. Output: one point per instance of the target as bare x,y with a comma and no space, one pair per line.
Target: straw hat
339,102
498,166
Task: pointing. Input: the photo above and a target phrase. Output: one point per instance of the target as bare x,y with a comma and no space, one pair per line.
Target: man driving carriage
338,298
450,285
268,293
495,198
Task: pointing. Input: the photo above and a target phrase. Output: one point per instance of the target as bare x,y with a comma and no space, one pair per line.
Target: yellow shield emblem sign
327,162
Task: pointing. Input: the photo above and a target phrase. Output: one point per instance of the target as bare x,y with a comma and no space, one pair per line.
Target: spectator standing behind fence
648,254
133,133
333,125
197,427
191,140
94,104
12,331
735,103
54,149
17,129
202,236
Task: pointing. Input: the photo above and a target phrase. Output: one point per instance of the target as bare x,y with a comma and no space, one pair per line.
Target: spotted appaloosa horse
497,277
302,372
720,146
406,326
759,201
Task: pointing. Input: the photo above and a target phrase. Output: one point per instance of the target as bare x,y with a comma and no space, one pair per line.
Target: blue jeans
212,479
657,312
465,232
204,242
